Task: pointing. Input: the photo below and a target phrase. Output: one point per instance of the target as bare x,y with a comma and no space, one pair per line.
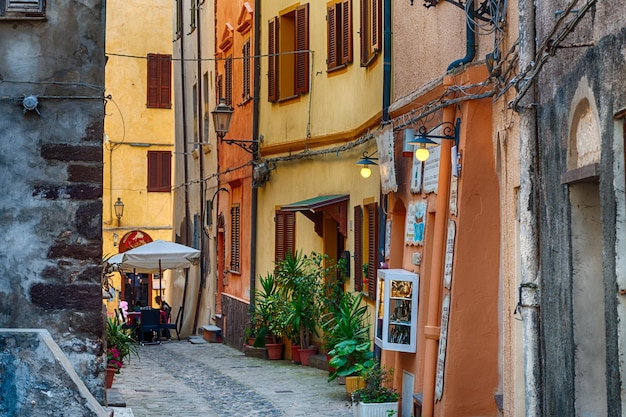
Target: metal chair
174,326
150,322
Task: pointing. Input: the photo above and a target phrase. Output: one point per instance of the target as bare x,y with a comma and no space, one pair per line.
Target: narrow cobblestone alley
210,379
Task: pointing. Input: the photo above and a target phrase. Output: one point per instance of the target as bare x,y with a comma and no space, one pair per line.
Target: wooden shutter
332,37
372,249
159,171
228,69
302,44
284,234
235,236
358,248
346,32
364,40
376,22
159,81
272,50
246,70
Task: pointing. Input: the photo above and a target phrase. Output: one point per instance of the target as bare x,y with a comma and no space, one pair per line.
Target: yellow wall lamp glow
366,162
424,138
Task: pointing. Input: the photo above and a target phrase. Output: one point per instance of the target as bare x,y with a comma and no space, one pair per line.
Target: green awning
316,203
336,206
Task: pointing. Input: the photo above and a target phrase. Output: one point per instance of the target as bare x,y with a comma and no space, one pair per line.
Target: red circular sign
133,239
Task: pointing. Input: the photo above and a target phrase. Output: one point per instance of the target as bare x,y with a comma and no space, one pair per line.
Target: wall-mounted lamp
366,161
221,120
119,210
424,138
116,239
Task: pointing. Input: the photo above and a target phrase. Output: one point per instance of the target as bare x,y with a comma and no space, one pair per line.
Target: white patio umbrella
156,256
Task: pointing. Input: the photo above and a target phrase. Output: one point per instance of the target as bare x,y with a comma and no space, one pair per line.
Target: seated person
165,307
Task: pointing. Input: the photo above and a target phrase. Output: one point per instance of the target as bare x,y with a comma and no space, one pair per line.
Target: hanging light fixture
424,138
366,161
119,210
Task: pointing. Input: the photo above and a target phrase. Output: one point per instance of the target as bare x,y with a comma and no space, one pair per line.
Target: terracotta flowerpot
295,354
109,377
274,351
305,354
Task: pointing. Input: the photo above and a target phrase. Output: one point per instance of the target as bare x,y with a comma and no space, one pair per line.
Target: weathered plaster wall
50,177
602,65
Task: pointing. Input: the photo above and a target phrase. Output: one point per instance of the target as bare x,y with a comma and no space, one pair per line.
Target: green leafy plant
350,358
120,342
346,321
299,279
265,318
375,390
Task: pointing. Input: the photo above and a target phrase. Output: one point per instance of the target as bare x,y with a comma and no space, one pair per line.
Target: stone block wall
51,178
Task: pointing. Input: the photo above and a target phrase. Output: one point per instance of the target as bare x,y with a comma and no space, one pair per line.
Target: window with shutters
371,220
235,238
288,49
178,28
339,23
285,234
228,73
159,171
245,52
22,9
358,248
371,30
206,110
192,16
159,81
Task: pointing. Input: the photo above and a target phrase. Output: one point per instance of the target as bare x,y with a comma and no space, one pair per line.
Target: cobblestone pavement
212,379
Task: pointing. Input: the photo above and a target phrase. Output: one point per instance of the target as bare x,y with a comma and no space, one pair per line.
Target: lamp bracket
449,131
250,146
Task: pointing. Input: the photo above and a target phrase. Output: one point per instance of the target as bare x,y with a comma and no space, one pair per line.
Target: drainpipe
432,328
185,165
528,200
386,59
255,152
203,263
470,46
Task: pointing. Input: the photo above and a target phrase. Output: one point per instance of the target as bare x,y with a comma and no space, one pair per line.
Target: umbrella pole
160,282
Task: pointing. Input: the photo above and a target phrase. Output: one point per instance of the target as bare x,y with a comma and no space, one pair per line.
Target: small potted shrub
376,398
351,359
120,344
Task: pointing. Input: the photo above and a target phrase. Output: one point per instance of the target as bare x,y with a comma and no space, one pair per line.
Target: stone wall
37,380
598,69
51,178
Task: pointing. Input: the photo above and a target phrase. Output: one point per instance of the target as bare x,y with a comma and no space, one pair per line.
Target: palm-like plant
121,339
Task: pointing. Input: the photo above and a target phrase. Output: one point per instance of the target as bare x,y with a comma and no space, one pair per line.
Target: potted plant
120,344
346,321
299,279
376,398
351,359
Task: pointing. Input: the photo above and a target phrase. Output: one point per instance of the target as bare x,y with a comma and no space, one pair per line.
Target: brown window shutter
159,81
346,29
153,81
364,40
246,70
302,44
372,249
235,235
228,69
272,72
284,234
332,37
358,248
376,23
165,98
159,171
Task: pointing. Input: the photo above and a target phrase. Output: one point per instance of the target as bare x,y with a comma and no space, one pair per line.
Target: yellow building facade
139,138
320,112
